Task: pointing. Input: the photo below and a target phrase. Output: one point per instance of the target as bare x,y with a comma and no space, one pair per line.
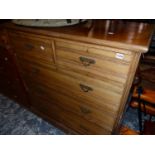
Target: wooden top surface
115,33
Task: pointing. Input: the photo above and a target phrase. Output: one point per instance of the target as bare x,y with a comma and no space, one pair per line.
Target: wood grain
79,77
112,33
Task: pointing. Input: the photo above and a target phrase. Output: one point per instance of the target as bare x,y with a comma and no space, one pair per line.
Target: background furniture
143,98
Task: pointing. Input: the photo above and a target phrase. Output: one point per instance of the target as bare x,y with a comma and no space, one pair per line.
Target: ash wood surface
113,33
69,119
84,111
79,77
33,47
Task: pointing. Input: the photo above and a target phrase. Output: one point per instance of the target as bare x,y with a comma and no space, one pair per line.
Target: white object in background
119,56
47,22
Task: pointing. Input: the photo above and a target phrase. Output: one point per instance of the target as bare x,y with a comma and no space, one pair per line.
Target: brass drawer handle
29,46
85,88
85,110
86,61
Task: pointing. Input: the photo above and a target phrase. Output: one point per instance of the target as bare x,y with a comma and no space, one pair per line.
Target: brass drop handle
29,46
85,110
86,61
85,88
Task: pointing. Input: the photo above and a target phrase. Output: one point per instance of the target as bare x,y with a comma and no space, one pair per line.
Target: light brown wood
33,47
75,122
126,91
82,108
80,77
57,80
108,66
112,33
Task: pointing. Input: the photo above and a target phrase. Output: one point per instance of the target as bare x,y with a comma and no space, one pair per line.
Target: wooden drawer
83,58
32,47
66,117
85,110
87,89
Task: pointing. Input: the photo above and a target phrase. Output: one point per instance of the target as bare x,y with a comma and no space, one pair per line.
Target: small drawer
32,48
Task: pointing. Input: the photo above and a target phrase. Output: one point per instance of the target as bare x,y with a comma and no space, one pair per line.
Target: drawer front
87,111
86,89
32,48
67,118
109,64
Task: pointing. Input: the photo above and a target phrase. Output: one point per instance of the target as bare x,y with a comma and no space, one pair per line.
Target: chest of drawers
76,77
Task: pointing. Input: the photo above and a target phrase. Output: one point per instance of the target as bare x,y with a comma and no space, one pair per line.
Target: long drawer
105,62
86,89
32,47
66,117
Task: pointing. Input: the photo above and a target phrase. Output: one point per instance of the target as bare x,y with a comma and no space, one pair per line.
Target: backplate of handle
86,61
85,88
